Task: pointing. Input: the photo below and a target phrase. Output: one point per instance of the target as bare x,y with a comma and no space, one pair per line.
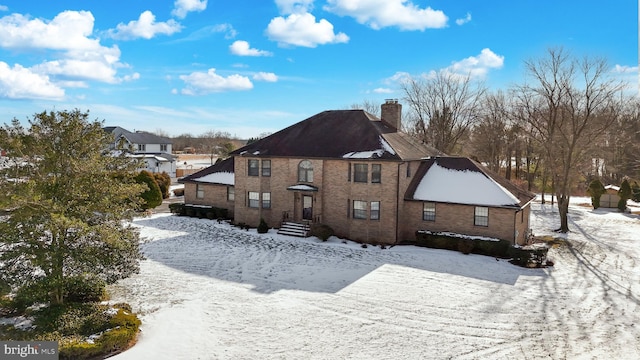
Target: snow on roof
612,187
225,178
462,187
302,187
371,153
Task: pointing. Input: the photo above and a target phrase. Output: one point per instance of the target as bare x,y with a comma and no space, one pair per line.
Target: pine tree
64,197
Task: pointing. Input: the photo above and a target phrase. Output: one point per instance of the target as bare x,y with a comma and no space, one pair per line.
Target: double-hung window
374,214
266,200
359,209
429,211
360,173
266,167
481,216
376,173
199,191
253,167
231,193
254,199
305,171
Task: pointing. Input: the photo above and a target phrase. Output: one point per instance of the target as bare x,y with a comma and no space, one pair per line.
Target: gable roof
461,180
138,137
219,173
339,134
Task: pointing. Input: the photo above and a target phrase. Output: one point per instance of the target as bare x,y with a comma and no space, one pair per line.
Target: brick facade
333,201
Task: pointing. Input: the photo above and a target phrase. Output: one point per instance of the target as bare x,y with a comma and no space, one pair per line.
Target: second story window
231,193
163,147
360,173
376,173
254,167
266,167
142,147
305,171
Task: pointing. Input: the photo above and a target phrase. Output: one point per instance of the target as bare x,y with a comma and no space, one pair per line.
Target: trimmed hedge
522,256
321,231
208,212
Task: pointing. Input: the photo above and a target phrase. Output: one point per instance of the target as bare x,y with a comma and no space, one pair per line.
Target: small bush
321,231
178,192
625,194
595,190
164,183
177,208
465,246
263,228
152,196
529,257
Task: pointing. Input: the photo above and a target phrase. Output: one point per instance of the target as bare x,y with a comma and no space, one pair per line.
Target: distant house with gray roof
154,150
365,178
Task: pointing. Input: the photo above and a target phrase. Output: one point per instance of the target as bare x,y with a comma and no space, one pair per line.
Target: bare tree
444,107
488,136
369,106
568,107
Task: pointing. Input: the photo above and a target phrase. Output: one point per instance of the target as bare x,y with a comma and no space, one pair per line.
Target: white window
305,171
359,209
253,167
429,211
199,191
266,167
142,147
254,199
481,216
266,200
231,193
163,147
375,210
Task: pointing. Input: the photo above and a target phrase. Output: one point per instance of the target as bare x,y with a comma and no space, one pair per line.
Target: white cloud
69,30
385,13
464,20
21,83
145,27
624,69
242,48
201,83
477,66
183,7
264,76
294,6
68,35
383,91
303,30
4,8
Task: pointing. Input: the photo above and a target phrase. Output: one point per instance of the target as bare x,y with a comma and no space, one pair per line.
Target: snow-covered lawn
211,291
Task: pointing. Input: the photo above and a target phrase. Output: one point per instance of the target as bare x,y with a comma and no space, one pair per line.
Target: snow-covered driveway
211,291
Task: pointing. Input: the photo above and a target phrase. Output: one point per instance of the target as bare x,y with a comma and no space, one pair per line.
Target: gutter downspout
398,203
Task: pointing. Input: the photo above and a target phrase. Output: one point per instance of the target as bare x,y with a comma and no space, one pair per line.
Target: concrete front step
294,229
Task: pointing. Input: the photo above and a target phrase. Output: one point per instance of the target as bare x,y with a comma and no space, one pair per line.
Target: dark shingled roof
462,164
223,166
335,133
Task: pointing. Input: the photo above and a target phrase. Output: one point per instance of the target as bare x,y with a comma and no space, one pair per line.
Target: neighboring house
154,150
610,198
364,178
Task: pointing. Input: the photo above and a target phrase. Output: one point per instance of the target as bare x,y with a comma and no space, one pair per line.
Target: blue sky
253,66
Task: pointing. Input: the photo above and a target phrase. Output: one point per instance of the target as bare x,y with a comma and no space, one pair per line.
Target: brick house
363,177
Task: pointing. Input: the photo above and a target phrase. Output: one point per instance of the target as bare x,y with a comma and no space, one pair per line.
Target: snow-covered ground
211,291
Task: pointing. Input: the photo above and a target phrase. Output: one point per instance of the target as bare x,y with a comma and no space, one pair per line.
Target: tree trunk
563,209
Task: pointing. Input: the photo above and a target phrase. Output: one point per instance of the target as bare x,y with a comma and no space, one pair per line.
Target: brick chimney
391,113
